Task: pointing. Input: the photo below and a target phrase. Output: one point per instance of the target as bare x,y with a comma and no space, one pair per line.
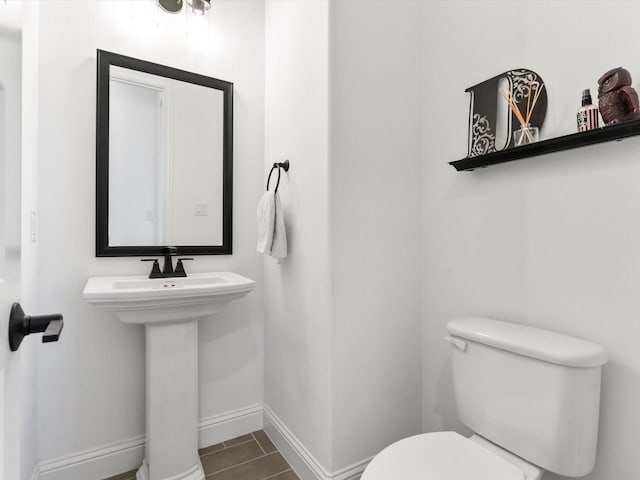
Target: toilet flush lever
456,342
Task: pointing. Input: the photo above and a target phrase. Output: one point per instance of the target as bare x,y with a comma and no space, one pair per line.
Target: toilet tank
533,392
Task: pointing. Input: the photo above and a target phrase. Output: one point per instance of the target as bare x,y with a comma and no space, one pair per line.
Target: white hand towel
272,237
266,222
279,246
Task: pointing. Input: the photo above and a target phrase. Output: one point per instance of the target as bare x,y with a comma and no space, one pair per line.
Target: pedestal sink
169,309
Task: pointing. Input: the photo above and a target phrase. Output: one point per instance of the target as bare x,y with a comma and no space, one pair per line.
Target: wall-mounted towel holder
280,166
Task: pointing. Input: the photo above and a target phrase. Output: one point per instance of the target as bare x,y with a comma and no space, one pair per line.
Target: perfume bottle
587,114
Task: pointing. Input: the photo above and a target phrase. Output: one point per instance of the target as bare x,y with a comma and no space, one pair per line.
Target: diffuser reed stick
535,100
516,111
529,101
514,106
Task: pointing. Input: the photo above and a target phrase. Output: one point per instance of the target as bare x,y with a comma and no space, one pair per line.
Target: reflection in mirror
164,159
158,197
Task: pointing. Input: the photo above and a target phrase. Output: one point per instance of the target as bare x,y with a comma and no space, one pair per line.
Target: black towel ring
284,166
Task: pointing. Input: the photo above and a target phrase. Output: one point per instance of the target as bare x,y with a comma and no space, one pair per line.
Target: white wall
91,383
375,234
342,365
297,292
549,241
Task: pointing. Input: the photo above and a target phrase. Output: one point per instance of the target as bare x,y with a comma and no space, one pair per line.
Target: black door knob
21,325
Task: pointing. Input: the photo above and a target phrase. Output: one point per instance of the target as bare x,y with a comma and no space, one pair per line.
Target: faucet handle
179,271
155,268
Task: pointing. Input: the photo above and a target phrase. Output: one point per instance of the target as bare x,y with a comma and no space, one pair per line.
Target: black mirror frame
105,60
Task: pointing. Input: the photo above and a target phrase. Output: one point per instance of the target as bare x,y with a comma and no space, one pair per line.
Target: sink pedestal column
171,451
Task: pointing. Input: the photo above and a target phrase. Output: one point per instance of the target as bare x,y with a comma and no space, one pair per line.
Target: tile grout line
279,473
258,442
227,448
225,442
238,464
200,455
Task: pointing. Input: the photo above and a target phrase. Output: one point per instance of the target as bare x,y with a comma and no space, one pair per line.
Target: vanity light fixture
170,6
198,7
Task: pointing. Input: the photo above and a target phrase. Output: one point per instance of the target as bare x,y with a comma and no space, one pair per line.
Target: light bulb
199,7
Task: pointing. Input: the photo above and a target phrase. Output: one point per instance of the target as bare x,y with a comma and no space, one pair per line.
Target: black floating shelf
557,144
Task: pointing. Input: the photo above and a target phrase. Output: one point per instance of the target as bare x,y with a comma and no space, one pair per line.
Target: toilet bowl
531,397
448,456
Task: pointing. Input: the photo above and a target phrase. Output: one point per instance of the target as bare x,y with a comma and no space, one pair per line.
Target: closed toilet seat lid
439,456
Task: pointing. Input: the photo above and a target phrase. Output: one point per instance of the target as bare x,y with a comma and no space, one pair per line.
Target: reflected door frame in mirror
105,61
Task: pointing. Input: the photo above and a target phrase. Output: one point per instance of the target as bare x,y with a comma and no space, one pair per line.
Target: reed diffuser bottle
526,133
587,114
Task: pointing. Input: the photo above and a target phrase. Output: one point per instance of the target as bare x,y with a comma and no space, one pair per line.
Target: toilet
531,397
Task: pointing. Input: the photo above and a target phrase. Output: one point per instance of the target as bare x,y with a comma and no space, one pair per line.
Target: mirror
163,159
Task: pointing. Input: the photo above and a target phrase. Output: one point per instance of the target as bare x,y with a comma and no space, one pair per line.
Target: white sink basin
138,299
170,309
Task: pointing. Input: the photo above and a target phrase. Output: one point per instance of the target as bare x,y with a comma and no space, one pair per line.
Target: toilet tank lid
529,341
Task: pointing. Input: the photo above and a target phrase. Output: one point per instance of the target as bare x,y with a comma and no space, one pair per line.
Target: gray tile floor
249,457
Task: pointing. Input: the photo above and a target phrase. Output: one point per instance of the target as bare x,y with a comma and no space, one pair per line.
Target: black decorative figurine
617,100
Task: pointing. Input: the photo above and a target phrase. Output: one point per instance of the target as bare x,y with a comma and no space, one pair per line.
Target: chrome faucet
167,269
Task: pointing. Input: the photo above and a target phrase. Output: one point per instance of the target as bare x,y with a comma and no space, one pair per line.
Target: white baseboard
118,457
217,428
96,463
36,473
301,460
